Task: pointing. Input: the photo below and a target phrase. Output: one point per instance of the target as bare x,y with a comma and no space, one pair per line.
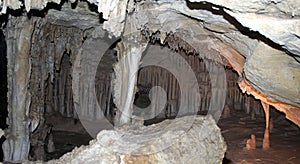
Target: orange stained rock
251,143
292,112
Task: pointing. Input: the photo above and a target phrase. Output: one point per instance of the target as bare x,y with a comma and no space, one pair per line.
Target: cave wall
49,44
35,50
59,96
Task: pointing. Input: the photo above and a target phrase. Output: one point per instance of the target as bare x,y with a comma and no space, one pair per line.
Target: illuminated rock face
259,40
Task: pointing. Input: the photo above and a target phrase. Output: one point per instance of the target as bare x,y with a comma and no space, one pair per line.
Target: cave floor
236,129
284,140
66,141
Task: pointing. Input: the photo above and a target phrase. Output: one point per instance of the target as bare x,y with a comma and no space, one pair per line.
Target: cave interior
72,69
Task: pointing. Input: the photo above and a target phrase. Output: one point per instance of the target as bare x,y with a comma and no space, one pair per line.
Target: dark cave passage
3,81
3,88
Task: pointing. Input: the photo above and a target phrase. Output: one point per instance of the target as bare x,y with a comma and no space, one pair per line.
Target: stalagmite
251,143
226,111
266,140
218,88
50,145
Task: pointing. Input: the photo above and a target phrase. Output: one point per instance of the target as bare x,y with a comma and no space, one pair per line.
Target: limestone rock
271,7
16,146
171,141
287,36
275,74
80,16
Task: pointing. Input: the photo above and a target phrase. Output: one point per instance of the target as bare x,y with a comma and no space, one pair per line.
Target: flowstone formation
171,141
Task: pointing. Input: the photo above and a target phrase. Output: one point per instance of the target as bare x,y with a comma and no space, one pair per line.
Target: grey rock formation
275,74
172,141
16,146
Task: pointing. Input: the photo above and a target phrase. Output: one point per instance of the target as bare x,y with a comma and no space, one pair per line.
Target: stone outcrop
172,141
275,74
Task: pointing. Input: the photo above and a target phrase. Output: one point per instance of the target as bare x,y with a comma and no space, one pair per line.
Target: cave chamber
84,70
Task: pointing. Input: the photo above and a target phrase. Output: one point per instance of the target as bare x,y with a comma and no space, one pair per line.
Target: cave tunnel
147,81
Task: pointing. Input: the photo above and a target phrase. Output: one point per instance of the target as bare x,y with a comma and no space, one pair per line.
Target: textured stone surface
262,16
172,141
275,74
80,16
16,145
268,7
285,32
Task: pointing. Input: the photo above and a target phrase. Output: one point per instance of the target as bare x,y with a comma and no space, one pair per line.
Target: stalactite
159,76
48,65
126,73
61,60
218,88
247,104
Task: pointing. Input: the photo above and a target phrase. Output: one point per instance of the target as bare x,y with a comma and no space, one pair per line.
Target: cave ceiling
259,39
